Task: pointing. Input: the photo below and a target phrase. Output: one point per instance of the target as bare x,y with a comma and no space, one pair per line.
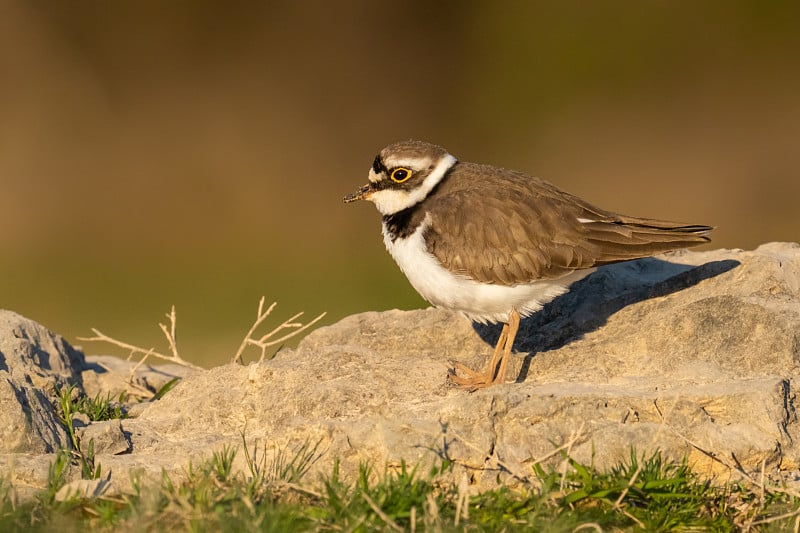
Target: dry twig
265,341
169,333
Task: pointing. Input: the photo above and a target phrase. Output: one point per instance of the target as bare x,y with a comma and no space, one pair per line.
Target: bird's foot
472,380
494,373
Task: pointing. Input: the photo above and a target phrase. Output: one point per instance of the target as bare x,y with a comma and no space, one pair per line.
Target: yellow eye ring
399,175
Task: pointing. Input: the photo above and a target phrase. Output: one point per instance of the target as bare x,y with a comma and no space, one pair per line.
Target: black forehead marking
378,165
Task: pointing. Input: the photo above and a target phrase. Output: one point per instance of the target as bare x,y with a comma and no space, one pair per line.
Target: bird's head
403,174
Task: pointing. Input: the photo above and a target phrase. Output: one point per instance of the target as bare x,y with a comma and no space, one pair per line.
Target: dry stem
169,333
265,341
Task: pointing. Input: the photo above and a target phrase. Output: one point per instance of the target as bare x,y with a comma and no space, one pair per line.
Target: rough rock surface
696,354
33,362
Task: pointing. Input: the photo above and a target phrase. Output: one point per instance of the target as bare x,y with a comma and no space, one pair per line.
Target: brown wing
528,229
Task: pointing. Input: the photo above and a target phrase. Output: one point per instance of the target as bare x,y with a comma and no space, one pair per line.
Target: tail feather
625,238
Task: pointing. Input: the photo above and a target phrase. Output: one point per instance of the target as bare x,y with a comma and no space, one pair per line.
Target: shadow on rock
590,302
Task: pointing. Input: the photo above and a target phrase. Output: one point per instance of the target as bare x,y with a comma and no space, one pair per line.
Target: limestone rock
694,353
109,376
26,473
84,489
33,363
107,436
28,422
31,353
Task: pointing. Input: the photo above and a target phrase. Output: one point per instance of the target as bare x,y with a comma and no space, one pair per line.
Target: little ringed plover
497,244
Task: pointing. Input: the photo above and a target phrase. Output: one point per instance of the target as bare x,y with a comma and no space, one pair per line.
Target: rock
695,354
84,489
32,354
33,363
28,422
108,438
108,376
26,473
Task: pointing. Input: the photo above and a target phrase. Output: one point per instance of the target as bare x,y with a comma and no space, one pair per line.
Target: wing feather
528,229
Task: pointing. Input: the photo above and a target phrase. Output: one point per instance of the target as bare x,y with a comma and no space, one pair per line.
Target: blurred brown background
195,152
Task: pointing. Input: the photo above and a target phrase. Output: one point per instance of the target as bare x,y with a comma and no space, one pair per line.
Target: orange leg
492,374
513,328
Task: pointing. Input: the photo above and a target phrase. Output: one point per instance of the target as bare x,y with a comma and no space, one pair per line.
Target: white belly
481,302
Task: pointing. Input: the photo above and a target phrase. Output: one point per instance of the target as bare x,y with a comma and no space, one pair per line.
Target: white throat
389,201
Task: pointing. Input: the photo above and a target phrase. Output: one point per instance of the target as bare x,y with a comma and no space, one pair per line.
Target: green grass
96,409
640,494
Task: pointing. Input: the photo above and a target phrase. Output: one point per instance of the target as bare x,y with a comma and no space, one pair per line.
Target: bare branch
175,358
286,330
259,319
170,335
286,324
267,340
132,376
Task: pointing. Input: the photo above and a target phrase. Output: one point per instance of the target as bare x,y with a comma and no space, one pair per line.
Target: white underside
478,301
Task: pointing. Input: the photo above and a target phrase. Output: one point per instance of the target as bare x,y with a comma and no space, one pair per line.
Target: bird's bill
360,194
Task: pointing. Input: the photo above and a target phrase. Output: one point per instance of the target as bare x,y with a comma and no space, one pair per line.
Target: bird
498,244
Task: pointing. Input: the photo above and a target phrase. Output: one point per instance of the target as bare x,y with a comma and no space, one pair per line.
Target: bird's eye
399,175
